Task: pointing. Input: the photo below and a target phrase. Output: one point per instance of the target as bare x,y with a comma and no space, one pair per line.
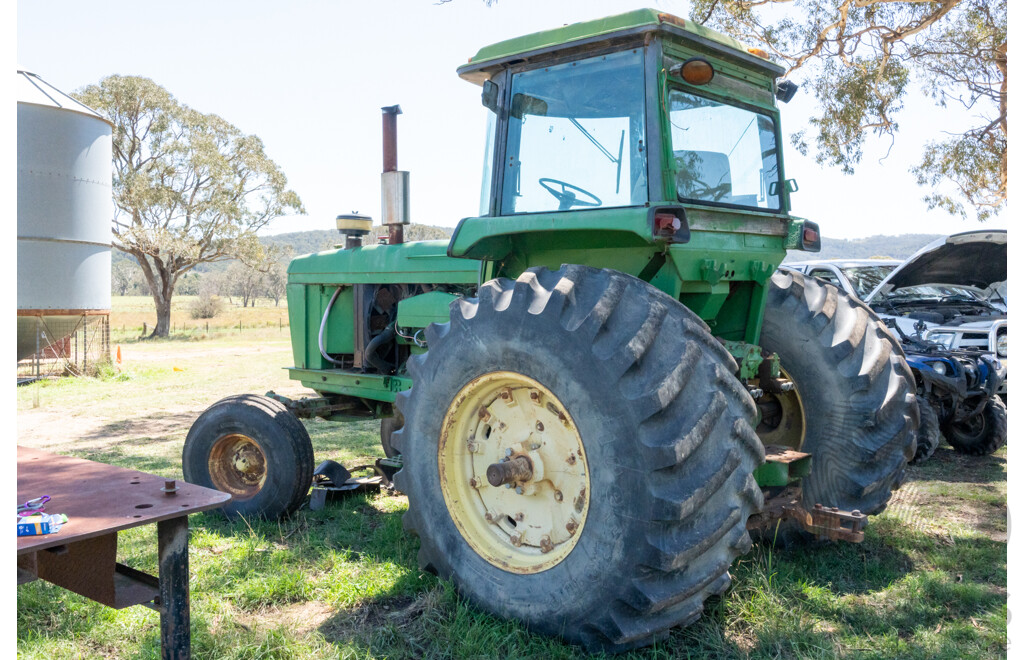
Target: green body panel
568,34
419,262
364,386
424,309
777,473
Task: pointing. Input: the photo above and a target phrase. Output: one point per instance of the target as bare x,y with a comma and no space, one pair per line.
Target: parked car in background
939,292
939,305
857,277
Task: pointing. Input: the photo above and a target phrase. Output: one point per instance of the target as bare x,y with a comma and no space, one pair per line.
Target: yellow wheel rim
237,465
500,420
782,418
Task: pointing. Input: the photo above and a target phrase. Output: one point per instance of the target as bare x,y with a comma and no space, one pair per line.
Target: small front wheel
253,448
981,434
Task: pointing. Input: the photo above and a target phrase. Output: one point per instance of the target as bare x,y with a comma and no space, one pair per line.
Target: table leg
175,637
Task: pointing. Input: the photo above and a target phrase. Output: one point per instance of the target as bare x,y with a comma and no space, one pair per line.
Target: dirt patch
298,617
928,512
46,430
363,622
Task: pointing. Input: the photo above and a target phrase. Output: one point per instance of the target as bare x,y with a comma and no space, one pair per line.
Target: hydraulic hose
323,324
370,355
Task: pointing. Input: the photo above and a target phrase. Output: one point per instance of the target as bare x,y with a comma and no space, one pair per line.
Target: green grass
929,581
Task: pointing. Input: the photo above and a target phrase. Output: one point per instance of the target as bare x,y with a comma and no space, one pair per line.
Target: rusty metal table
101,500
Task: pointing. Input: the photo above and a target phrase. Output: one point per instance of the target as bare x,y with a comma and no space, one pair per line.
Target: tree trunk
161,283
163,315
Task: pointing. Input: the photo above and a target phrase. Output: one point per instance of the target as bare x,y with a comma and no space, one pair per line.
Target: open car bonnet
973,258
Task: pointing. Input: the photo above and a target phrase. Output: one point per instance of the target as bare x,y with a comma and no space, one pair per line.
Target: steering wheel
566,196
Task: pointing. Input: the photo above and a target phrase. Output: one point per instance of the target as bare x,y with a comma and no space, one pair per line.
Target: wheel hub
238,466
782,418
513,472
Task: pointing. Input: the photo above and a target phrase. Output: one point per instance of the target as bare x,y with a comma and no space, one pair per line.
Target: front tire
928,436
982,434
253,448
657,441
857,396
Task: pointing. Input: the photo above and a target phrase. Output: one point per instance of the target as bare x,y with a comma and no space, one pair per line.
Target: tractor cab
630,111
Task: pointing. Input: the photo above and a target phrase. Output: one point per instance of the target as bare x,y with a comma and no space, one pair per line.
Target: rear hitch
821,521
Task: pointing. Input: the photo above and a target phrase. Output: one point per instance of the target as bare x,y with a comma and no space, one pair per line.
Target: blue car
957,395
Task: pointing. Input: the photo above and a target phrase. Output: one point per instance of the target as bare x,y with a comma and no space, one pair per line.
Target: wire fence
66,346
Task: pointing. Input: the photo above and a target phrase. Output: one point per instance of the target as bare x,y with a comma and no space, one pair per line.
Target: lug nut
558,496
489,517
546,545
483,414
540,426
571,460
472,447
516,539
170,488
571,527
534,396
472,483
519,517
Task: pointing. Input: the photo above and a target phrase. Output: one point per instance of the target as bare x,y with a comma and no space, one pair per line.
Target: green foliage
188,187
861,56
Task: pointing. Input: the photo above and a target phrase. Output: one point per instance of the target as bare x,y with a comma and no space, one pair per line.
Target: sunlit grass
929,581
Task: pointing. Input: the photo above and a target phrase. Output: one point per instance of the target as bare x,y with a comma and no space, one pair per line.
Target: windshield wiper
607,154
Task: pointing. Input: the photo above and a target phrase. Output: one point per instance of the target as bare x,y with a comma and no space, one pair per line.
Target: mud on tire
668,439
858,393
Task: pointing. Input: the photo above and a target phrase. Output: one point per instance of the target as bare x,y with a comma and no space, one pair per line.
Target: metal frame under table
101,500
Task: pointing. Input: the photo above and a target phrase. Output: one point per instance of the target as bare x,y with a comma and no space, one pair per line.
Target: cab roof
609,28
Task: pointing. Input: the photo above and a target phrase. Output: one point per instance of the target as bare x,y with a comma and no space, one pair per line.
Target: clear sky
309,78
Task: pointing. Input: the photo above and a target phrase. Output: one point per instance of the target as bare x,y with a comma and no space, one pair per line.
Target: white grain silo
64,214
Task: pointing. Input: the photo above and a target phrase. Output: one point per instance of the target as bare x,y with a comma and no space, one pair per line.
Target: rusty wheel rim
238,466
504,425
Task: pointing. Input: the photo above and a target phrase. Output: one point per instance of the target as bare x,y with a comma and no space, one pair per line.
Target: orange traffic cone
119,354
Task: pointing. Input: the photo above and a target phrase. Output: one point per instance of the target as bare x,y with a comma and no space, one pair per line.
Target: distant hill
893,247
317,240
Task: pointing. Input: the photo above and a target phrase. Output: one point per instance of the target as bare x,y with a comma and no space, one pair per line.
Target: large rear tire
253,448
982,434
858,406
617,392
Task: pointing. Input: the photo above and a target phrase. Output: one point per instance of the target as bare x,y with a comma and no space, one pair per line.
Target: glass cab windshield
724,154
576,136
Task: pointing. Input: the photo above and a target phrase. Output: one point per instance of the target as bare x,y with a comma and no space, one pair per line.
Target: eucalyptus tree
861,56
188,187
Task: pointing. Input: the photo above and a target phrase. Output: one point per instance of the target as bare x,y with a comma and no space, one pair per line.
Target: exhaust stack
394,184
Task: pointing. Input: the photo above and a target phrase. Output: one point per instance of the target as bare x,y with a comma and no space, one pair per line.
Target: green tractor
600,387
